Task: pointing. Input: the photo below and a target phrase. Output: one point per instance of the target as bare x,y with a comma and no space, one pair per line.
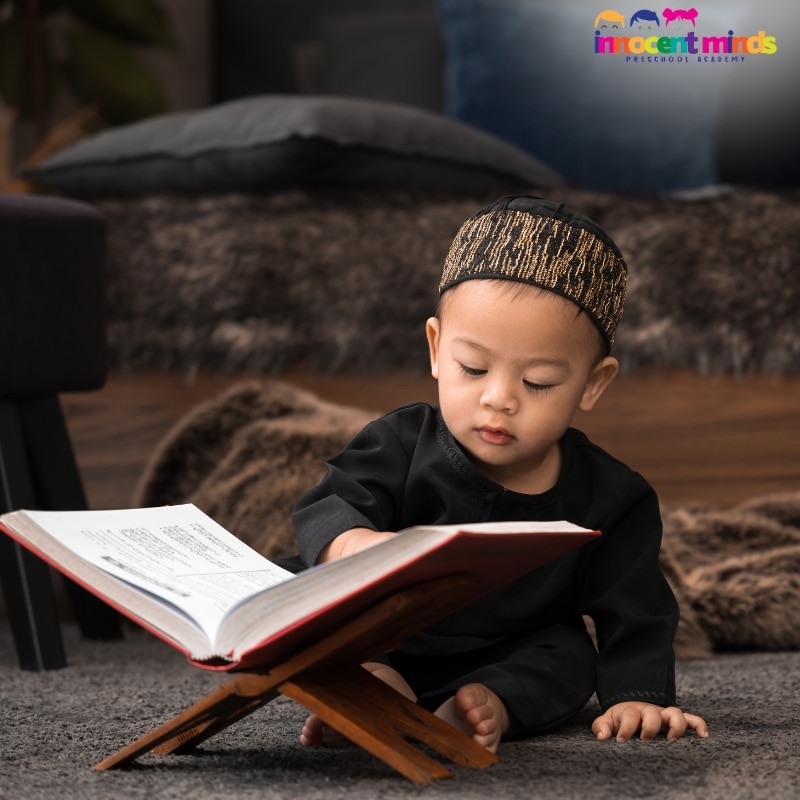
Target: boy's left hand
625,719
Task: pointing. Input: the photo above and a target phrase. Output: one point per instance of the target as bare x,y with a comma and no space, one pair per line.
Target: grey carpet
55,725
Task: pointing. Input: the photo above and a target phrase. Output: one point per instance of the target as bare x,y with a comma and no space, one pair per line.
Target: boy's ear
602,374
432,329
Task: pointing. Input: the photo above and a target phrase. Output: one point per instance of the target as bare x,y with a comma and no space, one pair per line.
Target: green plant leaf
139,21
109,74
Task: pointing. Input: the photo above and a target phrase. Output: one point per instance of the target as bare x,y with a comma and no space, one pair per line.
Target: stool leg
58,485
28,590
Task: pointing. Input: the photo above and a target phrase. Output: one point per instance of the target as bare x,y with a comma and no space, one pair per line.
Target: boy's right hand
349,542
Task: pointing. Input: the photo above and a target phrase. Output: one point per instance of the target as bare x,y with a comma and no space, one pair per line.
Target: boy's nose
500,395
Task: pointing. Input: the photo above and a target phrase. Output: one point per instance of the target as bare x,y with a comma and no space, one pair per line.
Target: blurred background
522,69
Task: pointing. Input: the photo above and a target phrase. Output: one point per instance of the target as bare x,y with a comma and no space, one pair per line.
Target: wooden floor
715,440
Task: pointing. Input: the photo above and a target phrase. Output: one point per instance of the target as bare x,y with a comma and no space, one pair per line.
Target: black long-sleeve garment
406,469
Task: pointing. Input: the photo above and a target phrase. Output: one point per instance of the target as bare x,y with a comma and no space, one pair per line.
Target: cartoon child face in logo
609,20
680,16
644,20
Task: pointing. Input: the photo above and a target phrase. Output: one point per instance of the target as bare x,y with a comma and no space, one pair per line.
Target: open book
182,576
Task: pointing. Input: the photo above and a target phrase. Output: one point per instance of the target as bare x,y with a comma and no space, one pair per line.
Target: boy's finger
652,722
629,722
674,721
602,727
697,724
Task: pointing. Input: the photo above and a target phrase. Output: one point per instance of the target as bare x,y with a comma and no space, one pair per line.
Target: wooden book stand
328,680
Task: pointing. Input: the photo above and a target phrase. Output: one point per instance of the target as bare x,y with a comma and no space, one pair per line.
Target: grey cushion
272,142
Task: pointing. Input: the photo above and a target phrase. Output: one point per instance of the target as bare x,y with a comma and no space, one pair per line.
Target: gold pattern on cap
546,252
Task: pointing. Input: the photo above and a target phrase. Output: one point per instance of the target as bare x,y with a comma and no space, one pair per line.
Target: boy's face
514,364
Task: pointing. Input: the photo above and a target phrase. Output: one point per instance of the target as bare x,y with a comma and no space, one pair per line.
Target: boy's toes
311,735
478,712
316,733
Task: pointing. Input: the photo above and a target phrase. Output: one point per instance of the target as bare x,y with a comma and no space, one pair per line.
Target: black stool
52,340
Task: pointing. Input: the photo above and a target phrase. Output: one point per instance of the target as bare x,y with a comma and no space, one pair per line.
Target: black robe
526,641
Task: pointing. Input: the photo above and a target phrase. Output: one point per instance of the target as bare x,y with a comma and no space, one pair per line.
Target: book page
521,527
177,553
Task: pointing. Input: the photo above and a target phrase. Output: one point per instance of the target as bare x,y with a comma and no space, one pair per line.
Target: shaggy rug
344,279
56,724
246,455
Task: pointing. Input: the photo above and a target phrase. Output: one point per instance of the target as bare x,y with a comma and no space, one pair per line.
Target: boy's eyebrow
544,360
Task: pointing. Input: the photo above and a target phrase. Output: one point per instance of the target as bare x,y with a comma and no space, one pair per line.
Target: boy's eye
537,388
473,372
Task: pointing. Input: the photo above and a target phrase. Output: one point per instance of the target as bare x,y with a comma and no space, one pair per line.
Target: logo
673,37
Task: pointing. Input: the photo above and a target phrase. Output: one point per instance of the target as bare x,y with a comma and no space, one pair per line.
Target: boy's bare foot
391,676
474,709
317,733
479,712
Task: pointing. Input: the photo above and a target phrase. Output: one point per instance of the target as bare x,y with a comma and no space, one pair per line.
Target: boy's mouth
498,436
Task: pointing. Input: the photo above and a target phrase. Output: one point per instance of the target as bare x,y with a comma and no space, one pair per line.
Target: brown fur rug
247,455
344,279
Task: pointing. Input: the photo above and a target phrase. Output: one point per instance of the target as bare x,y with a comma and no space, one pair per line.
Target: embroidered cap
547,244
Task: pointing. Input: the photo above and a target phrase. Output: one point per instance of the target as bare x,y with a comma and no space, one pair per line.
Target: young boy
530,298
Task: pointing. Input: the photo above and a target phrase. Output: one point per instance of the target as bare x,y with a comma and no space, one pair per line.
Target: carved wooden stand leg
328,680
379,719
